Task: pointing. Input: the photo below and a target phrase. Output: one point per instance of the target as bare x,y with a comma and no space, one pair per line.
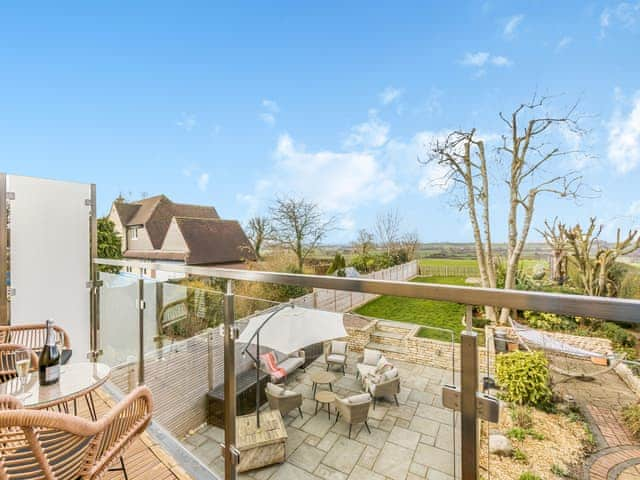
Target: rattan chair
385,389
336,354
57,446
8,360
284,401
354,410
33,336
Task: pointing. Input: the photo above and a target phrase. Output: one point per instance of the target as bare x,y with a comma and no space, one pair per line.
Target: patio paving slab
404,438
344,455
394,462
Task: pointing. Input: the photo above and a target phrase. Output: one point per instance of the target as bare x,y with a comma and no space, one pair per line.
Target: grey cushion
290,364
339,348
361,398
335,358
389,374
371,357
275,390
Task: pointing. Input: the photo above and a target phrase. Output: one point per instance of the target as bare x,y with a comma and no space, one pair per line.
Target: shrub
520,456
631,415
517,433
550,321
521,416
529,476
524,378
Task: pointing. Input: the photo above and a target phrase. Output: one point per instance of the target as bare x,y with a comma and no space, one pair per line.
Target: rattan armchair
353,410
33,335
385,389
57,446
283,400
8,360
336,354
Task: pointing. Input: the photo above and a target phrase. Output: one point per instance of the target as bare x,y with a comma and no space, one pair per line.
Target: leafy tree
338,265
109,244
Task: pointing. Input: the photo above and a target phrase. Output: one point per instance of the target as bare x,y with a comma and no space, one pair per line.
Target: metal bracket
94,284
234,332
88,202
11,292
488,407
142,305
235,453
11,195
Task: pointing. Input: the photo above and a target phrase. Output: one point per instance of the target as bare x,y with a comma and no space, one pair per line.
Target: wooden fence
448,271
341,301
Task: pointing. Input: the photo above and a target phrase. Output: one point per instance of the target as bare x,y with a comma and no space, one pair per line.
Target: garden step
393,349
393,327
393,335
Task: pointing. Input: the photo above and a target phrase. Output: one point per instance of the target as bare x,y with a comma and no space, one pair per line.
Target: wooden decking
144,459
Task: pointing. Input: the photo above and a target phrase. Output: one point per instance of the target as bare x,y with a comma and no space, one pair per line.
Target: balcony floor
144,458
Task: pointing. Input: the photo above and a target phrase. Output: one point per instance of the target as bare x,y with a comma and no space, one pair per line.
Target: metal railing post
230,458
141,307
4,257
468,410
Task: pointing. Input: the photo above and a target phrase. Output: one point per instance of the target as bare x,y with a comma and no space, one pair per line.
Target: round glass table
77,380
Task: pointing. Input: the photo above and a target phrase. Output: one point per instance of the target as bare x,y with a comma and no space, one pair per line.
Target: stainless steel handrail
614,309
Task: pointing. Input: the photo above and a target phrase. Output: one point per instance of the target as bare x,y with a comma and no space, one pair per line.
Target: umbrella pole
258,380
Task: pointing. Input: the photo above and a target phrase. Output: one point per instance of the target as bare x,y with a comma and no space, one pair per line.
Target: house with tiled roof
157,229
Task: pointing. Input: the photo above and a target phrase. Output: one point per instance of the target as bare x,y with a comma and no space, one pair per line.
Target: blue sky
232,104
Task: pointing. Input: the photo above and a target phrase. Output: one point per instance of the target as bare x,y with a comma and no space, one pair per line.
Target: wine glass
23,366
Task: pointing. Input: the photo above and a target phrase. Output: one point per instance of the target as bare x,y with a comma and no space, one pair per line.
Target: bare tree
299,225
528,148
364,242
594,271
259,230
387,229
555,238
409,243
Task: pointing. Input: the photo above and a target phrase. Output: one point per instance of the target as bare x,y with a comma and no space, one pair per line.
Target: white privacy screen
50,256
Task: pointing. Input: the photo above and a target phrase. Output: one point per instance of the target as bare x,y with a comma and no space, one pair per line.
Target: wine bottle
49,362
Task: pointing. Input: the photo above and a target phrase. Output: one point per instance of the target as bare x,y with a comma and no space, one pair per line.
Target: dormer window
134,233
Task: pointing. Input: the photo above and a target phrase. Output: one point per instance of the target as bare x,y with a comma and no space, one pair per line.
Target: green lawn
429,313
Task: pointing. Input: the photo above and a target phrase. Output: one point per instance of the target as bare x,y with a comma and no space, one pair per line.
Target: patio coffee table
322,378
325,397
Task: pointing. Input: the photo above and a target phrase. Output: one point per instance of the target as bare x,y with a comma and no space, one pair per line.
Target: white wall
50,256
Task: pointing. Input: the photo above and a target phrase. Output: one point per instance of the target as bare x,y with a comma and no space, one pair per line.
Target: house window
134,233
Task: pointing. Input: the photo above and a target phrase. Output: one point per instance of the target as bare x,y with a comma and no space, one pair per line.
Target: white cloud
511,25
625,14
268,118
500,61
371,134
337,181
270,105
389,95
480,60
203,181
187,122
564,43
477,59
433,104
624,134
271,108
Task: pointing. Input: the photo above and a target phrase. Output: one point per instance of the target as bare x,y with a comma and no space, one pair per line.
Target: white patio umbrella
291,329
286,329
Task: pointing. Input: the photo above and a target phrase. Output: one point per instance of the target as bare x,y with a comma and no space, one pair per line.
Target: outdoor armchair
283,400
34,336
336,354
383,385
8,360
354,410
57,446
369,362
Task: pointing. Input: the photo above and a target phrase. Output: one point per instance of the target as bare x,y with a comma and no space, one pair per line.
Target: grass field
429,313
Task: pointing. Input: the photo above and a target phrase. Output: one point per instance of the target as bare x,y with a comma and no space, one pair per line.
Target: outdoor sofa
287,363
